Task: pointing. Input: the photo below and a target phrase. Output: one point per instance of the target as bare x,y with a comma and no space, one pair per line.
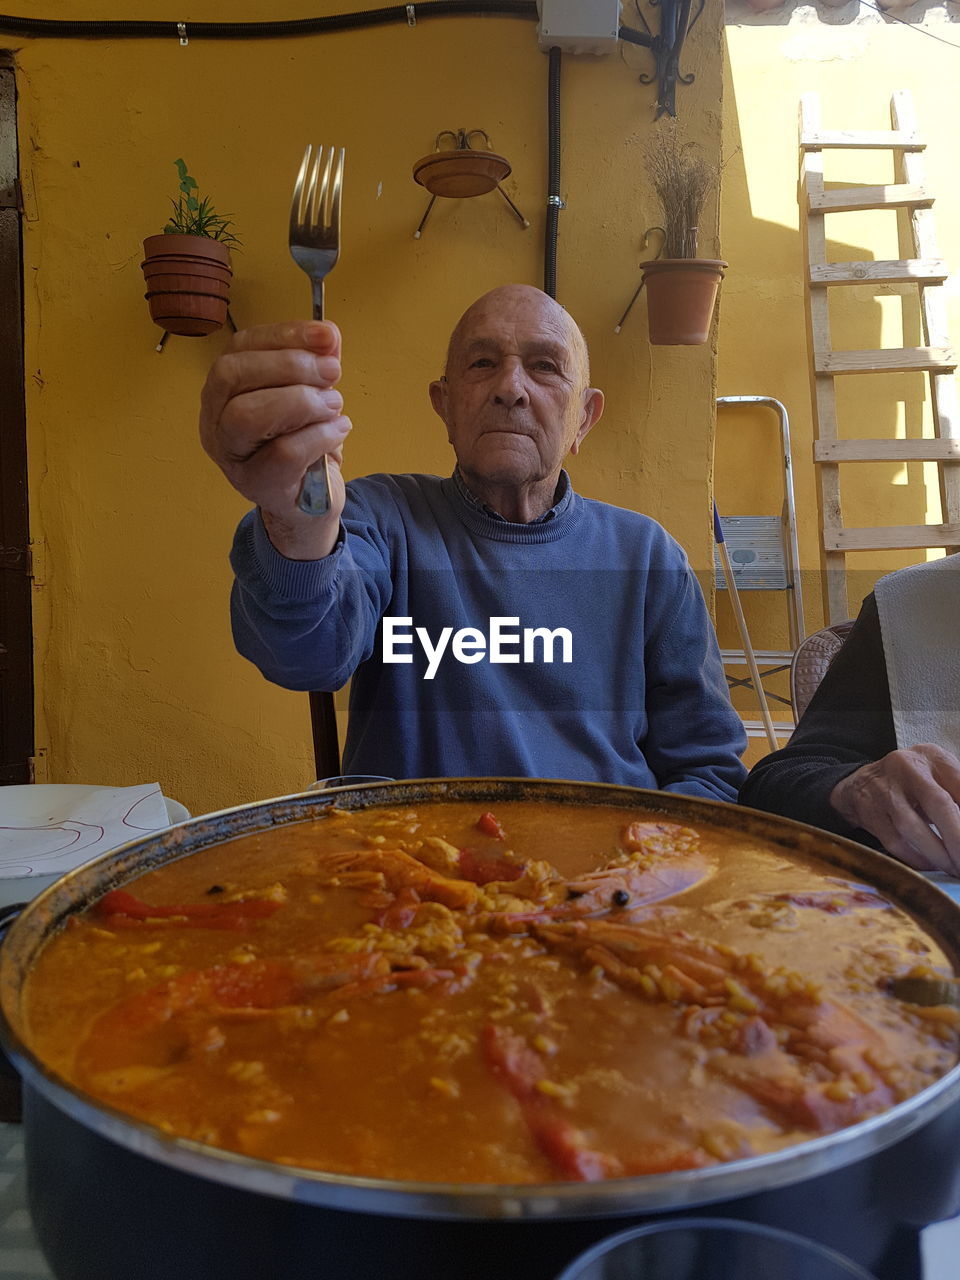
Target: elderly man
494,622
876,754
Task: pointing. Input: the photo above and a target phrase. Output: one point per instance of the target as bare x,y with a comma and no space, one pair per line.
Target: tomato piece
489,825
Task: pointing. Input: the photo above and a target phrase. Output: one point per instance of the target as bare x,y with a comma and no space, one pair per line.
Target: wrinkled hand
268,412
900,798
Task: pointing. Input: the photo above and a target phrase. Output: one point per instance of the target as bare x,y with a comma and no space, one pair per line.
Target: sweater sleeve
848,724
694,737
307,624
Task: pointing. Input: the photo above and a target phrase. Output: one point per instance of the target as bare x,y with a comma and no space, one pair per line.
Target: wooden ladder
927,272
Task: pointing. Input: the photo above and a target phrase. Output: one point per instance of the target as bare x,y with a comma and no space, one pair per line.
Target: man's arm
303,608
695,738
308,624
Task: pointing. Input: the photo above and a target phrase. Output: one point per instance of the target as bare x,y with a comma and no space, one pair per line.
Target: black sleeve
848,723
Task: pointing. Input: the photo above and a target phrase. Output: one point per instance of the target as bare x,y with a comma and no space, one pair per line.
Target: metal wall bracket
665,45
232,324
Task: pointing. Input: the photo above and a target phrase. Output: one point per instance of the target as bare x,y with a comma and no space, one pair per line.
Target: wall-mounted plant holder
188,283
231,325
459,171
681,286
681,295
187,268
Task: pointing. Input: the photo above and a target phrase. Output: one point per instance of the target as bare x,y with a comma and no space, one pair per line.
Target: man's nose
511,386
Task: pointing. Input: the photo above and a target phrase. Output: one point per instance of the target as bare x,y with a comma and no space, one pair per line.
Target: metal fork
315,246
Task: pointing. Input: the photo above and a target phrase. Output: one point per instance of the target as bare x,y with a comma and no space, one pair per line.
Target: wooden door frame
16,618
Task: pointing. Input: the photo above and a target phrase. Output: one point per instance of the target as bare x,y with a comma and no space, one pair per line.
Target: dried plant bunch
682,180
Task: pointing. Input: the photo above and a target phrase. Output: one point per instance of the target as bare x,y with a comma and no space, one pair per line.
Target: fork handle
315,494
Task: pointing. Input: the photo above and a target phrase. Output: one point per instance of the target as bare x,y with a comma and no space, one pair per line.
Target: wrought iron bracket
666,46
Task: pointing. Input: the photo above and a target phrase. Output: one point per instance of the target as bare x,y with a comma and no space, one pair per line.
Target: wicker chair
810,662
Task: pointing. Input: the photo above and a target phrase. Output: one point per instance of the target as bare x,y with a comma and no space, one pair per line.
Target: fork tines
316,194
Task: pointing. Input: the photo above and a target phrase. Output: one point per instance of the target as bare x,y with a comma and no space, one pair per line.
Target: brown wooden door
16,631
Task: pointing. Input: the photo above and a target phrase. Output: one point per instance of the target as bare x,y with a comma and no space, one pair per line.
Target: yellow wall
137,678
854,63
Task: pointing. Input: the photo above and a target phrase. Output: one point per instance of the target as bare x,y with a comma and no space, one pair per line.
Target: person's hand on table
901,798
269,412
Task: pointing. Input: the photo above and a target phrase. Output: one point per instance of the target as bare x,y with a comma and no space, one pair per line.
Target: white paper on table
46,831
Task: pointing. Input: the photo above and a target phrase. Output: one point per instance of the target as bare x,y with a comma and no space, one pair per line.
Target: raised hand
269,411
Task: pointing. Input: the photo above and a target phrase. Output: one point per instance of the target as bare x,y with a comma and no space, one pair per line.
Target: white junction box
579,26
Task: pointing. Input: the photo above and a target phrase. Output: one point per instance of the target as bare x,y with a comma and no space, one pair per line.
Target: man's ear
592,409
438,397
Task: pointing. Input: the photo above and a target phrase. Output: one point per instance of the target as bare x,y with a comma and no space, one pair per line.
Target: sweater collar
467,494
483,520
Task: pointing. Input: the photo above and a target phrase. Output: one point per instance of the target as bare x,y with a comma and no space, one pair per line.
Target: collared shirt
561,491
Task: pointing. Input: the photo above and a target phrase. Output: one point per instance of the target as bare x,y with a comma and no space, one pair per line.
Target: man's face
514,399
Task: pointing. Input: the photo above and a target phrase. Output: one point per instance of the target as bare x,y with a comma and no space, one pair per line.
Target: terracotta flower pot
188,283
681,293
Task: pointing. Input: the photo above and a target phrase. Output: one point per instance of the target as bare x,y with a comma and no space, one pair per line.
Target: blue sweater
635,692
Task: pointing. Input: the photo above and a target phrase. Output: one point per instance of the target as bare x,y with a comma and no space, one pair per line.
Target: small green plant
195,217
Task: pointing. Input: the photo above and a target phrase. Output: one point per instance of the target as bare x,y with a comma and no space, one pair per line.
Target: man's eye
545,366
482,362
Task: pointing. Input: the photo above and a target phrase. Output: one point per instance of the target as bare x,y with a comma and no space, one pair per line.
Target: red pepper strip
562,1143
521,1068
512,1060
483,870
123,910
489,825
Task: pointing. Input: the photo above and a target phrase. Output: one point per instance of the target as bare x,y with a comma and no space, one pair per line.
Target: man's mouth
507,431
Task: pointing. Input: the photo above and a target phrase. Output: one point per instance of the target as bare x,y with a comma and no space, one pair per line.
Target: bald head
533,304
515,398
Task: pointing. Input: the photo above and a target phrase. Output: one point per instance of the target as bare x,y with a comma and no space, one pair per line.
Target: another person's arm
847,725
901,798
842,770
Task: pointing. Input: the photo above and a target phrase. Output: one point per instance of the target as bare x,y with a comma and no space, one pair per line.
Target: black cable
636,37
553,182
884,13
265,30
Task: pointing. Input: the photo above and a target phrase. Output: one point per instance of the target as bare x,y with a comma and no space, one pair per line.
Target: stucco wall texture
136,674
